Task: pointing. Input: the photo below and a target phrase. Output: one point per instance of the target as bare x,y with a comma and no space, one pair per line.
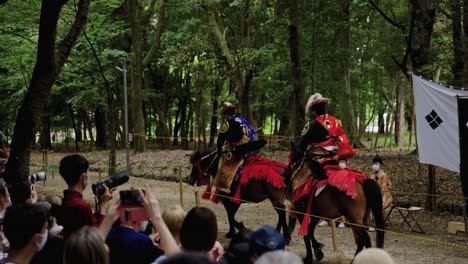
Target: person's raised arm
110,218
168,243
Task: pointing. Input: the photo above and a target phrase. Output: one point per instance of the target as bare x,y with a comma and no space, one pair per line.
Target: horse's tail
374,202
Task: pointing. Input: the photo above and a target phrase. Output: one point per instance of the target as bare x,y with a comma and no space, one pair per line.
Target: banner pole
462,104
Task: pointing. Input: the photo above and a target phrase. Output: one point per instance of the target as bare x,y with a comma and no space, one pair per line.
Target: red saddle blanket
256,168
343,179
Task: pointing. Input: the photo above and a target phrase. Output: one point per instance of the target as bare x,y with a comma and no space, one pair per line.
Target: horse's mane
315,167
197,155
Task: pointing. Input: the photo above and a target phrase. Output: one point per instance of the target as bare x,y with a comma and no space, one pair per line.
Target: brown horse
205,164
332,203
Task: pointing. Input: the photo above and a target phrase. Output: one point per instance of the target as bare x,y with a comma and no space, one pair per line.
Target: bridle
296,166
205,172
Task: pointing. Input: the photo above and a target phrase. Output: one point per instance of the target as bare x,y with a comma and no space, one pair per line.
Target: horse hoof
287,239
230,234
308,260
318,254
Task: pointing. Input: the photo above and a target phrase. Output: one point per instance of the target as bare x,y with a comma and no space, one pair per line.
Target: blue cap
266,239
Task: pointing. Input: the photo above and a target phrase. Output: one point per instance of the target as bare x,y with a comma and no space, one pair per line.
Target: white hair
279,257
373,255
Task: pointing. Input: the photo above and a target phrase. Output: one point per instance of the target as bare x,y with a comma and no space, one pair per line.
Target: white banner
437,123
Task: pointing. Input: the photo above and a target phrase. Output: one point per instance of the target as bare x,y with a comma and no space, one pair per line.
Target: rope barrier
53,167
432,240
436,241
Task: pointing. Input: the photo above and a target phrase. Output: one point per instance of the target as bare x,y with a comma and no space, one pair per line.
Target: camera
131,197
114,181
39,176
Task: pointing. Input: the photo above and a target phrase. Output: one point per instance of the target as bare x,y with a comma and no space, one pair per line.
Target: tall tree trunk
424,17
83,117
79,125
100,120
177,121
400,112
458,66
214,112
49,63
238,73
135,9
45,133
90,128
185,105
423,14
343,39
159,104
199,123
76,129
296,102
138,19
381,122
465,37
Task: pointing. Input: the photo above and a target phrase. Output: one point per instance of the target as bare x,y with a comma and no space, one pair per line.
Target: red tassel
291,211
207,193
215,197
304,226
237,196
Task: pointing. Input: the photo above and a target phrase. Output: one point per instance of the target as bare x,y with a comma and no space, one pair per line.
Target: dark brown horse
205,165
332,203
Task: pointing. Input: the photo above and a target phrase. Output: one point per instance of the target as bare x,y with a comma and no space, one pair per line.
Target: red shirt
76,213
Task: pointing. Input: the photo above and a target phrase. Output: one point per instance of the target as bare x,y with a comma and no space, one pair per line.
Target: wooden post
53,175
197,199
333,226
181,187
99,172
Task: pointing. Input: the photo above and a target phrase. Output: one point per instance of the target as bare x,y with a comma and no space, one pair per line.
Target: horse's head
303,163
204,164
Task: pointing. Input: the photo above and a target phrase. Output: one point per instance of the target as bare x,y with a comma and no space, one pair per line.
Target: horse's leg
282,223
291,224
309,257
231,209
317,246
362,238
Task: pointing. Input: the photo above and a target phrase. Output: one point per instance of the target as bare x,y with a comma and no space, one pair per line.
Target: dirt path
405,248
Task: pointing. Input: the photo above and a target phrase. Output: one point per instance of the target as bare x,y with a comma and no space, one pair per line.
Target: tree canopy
187,57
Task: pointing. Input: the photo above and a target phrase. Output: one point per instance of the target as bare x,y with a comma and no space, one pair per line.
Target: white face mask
85,182
43,240
342,165
375,167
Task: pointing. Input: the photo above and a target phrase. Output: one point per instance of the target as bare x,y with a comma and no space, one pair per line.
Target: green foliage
257,36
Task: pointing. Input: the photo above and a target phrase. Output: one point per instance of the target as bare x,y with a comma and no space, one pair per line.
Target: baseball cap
266,239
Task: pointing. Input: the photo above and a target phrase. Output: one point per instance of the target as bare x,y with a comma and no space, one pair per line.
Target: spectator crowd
133,229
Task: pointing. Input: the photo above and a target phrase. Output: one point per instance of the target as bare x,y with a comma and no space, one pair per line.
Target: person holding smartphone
125,242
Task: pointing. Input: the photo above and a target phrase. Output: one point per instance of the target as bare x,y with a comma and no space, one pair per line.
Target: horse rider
338,143
236,141
236,130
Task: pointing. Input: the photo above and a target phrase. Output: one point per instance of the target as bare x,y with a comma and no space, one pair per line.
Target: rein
289,187
206,171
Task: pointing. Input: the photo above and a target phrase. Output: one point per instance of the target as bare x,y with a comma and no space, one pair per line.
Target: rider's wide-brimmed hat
226,106
316,98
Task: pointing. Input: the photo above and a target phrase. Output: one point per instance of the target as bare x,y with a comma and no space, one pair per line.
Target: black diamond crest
434,119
